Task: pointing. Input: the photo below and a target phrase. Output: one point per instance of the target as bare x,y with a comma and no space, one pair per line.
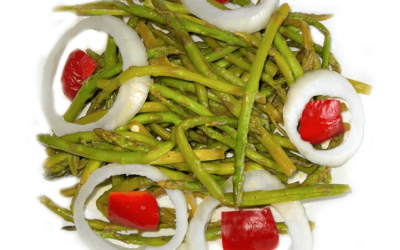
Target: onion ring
292,212
132,94
96,242
195,240
246,19
330,83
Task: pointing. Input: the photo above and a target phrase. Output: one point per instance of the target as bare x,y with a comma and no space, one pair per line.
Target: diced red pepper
136,209
320,121
250,230
78,67
222,1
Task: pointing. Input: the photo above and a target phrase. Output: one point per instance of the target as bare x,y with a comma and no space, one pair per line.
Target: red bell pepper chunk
78,67
250,230
222,1
320,121
136,209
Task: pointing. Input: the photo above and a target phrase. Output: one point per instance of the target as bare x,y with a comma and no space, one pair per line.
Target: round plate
341,223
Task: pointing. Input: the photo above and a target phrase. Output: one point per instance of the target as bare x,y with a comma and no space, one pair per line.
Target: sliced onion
329,83
246,19
292,212
96,242
195,236
132,94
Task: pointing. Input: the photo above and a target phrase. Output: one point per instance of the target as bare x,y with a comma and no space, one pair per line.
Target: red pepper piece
78,67
250,230
320,121
222,1
136,209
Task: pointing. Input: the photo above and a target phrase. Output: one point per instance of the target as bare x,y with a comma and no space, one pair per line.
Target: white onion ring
96,242
246,19
195,236
292,212
132,94
330,83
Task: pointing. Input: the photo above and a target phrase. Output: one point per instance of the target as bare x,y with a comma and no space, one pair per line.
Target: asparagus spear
106,155
262,198
248,99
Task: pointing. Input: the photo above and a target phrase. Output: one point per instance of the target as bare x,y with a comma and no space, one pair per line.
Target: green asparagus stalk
62,212
248,99
262,198
121,141
105,155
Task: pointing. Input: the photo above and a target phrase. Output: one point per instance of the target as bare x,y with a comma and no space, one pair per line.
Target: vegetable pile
188,103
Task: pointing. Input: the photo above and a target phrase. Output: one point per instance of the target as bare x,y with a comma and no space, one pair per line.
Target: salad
188,154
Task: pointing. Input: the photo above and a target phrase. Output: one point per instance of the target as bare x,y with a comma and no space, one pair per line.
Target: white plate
363,41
